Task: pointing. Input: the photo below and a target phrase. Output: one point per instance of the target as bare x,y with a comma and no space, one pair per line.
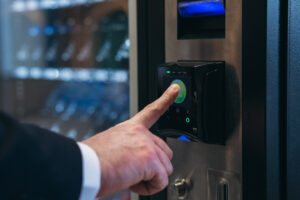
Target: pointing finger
151,113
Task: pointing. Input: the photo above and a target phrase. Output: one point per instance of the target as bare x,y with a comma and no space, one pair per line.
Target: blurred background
64,65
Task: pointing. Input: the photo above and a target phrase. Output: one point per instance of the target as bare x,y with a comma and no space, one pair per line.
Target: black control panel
198,111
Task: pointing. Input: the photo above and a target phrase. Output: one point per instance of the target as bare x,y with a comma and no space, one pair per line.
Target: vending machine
229,128
65,64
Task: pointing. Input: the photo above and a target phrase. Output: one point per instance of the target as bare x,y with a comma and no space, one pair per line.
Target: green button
187,120
182,94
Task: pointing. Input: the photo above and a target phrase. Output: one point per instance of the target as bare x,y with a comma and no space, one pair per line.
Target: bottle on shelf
112,49
51,44
51,53
68,50
38,42
64,33
85,52
122,55
22,44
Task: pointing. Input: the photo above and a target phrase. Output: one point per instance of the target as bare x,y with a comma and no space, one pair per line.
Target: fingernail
174,87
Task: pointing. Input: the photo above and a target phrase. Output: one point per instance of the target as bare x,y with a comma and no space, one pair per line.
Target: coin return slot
223,190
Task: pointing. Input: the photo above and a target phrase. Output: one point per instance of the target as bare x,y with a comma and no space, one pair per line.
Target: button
182,94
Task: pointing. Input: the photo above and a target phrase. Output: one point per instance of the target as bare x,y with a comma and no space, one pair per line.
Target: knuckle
122,125
166,97
155,108
149,106
139,128
150,154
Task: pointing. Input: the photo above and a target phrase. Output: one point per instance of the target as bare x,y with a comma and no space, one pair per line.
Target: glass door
65,64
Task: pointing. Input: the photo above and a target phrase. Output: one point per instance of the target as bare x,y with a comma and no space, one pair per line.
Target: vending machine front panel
207,152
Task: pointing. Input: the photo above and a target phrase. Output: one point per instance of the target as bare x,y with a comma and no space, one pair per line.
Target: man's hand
131,156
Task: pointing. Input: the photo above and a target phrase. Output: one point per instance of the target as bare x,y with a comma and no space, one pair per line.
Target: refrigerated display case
64,64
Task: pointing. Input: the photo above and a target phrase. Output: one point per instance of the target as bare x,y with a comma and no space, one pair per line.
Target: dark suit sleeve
36,163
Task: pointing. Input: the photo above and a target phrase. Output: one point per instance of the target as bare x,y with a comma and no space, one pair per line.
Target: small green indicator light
187,120
168,72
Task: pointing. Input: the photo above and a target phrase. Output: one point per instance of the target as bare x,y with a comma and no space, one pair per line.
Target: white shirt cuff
91,173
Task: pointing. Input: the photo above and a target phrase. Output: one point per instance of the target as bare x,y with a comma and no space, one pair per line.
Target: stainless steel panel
133,65
199,156
133,61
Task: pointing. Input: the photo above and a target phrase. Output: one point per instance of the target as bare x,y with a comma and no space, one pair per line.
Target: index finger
151,113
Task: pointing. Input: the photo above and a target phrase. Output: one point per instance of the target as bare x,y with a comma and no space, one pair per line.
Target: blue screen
201,8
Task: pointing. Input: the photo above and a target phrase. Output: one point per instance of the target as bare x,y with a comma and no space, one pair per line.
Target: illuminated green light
187,120
168,72
182,93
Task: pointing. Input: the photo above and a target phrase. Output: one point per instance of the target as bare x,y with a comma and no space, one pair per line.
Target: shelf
32,5
70,74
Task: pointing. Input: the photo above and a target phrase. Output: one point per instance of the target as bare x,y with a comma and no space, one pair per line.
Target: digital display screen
200,8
